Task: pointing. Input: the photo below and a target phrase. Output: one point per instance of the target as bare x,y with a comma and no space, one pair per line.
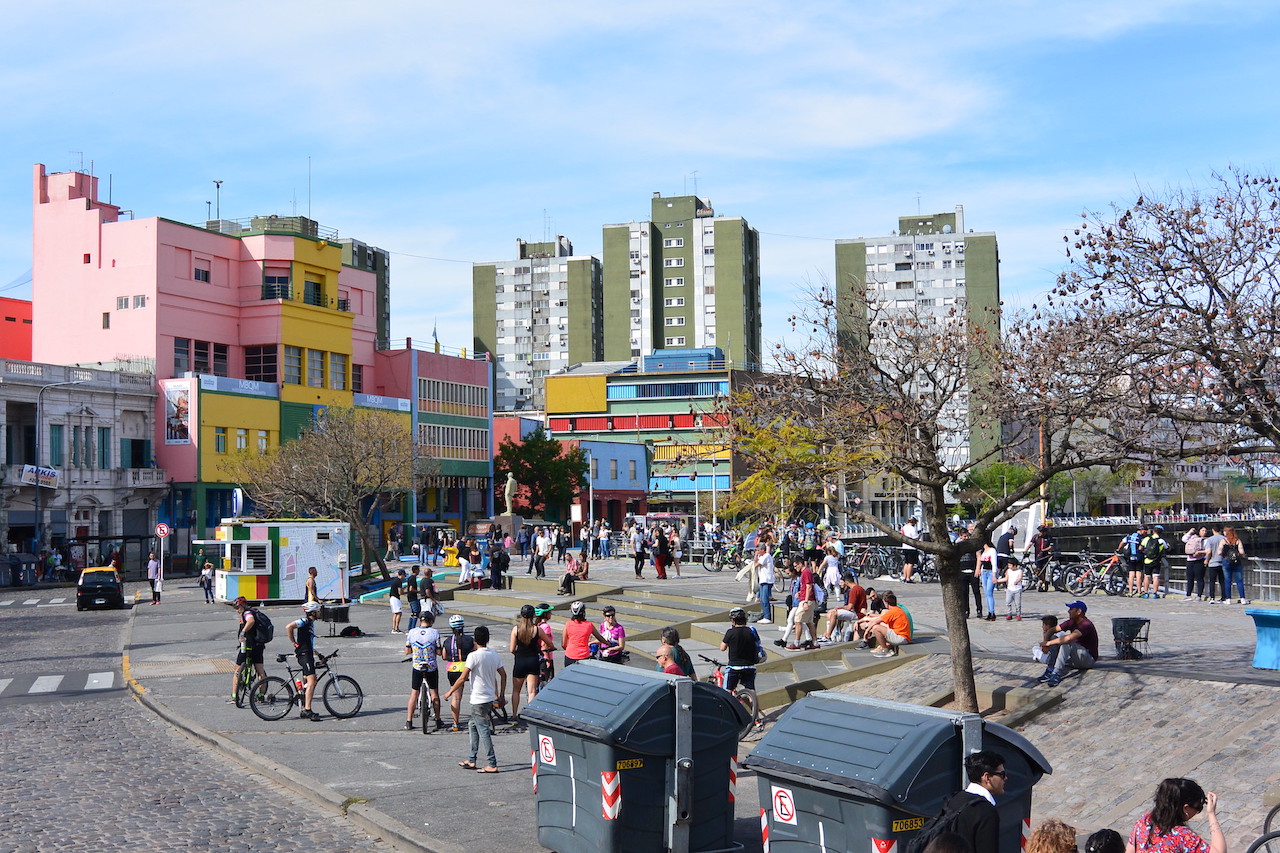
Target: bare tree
1194,276
932,398
345,466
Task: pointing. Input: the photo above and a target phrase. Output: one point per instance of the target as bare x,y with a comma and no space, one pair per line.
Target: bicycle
746,696
246,675
1084,577
716,559
272,697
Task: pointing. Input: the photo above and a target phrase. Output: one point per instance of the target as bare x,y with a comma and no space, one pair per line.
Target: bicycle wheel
709,561
1264,843
1114,585
750,704
243,677
271,698
1078,580
1268,826
342,696
1058,577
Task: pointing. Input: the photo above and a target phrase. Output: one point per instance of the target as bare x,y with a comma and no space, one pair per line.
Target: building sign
177,411
378,401
227,385
44,477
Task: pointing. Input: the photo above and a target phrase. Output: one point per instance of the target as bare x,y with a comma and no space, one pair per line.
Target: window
338,371
673,262
220,360
595,468
674,282
75,447
613,469
673,243
200,357
104,447
709,250
200,274
673,302
357,378
292,365
315,368
181,355
55,445
675,321
260,363
87,258
675,342
219,439
106,320
262,441
631,468
242,439
122,303
140,301
313,293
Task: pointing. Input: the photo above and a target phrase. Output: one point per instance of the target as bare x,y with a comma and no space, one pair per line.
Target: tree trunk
954,591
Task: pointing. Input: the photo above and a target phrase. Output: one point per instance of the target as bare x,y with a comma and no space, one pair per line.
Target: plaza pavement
1194,707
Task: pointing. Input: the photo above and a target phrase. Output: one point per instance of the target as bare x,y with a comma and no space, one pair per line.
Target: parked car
100,586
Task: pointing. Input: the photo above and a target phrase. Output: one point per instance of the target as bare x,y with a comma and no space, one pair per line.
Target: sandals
466,765
487,770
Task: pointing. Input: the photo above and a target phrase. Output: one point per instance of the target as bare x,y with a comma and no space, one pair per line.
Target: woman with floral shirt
1164,828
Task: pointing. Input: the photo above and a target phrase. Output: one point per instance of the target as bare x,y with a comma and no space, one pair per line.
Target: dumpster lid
873,748
630,707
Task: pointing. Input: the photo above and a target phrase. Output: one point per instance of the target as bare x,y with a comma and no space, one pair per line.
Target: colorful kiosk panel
267,559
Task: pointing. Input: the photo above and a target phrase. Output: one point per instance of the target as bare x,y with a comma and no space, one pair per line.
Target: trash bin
1129,632
627,759
844,772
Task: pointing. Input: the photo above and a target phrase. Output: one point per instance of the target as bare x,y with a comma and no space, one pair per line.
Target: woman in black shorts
527,643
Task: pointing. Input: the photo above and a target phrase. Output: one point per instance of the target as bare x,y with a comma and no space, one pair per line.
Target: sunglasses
1003,774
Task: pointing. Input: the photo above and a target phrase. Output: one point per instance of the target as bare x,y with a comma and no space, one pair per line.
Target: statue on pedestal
509,493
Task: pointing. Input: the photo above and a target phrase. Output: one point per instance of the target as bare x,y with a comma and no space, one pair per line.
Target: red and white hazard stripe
611,793
764,829
884,845
733,778
1026,831
533,767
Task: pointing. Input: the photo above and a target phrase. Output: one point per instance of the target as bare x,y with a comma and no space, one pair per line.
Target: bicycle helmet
240,601
542,609
609,609
1159,528
527,612
737,612
578,610
310,607
456,622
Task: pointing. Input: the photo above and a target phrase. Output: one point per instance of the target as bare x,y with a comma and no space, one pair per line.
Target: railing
277,291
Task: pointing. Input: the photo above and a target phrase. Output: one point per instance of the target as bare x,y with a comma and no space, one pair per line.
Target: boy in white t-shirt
1013,589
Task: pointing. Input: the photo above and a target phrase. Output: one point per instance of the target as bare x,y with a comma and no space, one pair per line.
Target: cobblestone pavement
108,775
1117,734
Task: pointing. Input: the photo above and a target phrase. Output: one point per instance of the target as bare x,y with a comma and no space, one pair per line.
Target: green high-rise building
685,278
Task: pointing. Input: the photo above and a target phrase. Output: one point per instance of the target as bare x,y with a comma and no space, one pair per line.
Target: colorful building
671,404
15,329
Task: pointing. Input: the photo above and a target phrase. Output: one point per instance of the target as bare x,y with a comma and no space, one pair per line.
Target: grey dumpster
630,760
843,772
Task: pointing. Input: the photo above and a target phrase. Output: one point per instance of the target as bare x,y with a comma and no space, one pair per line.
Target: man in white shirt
488,688
543,547
910,556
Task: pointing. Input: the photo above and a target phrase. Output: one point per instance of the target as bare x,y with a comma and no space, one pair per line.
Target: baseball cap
1078,605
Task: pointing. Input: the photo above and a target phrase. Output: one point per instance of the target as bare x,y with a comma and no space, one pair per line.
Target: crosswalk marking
99,681
4,683
6,603
46,684
56,600
32,601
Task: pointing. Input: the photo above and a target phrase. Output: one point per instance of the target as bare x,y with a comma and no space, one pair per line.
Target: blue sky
444,132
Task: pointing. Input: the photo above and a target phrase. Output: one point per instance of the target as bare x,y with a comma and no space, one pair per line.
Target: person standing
910,556
1193,547
1233,557
206,582
411,596
1012,589
499,562
456,647
153,577
302,634
527,644
393,600
661,553
544,546
312,591
969,573
987,572
577,634
1213,566
1164,828
806,598
423,646
766,577
488,689
638,548
978,821
522,541
1154,547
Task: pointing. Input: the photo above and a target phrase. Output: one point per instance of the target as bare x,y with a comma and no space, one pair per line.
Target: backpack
1230,553
1152,549
500,560
948,820
262,627
351,631
761,654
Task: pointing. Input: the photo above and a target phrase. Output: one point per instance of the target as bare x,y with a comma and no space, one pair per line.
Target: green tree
979,489
549,473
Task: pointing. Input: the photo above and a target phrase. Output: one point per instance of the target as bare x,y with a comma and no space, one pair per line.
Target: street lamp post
715,498
591,493
39,407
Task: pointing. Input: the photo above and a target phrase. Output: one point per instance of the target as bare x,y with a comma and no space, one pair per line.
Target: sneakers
862,645
1212,600
792,647
313,716
1045,676
439,724
884,653
764,621
1008,617
408,725
1018,617
1244,601
1189,598
825,641
1054,680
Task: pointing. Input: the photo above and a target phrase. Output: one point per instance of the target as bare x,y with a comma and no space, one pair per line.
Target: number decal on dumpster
546,750
629,763
784,806
908,825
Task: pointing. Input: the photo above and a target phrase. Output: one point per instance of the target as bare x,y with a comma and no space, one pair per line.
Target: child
1048,630
1013,590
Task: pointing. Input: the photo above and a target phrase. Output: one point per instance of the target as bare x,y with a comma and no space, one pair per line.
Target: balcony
285,292
96,478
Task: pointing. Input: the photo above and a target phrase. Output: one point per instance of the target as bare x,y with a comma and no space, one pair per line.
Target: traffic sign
162,530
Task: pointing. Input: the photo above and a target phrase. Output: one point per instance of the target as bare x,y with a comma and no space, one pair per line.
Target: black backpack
262,627
948,820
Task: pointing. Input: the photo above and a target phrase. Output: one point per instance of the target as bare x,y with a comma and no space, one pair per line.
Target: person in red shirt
666,659
853,609
577,635
806,606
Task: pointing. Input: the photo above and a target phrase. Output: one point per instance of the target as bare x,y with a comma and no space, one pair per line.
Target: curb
364,817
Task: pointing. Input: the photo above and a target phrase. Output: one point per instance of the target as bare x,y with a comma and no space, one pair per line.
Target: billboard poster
177,412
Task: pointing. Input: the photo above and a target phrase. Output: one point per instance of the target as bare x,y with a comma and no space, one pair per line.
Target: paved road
88,768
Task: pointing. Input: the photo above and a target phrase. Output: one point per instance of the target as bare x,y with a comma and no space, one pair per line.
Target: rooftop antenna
208,210
308,186
917,204
546,226
217,194
695,182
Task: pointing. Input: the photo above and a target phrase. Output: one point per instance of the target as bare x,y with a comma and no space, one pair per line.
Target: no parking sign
546,750
784,805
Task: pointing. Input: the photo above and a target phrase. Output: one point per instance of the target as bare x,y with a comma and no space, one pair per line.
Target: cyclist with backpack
1154,547
252,626
1131,549
456,647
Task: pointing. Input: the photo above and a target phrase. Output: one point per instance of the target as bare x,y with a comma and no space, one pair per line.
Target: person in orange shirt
891,628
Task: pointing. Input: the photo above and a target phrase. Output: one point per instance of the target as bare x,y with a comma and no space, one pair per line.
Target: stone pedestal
508,523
